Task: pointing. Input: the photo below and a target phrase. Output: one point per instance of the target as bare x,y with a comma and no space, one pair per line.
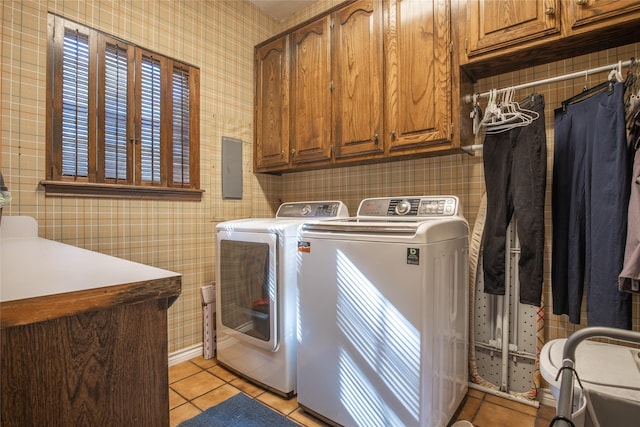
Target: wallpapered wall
218,36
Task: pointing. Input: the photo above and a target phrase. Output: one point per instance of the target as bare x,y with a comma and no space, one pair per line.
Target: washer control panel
312,210
413,207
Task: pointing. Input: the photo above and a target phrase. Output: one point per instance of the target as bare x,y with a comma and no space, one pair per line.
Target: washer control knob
403,207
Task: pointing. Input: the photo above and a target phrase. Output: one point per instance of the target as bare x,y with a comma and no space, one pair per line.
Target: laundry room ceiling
282,9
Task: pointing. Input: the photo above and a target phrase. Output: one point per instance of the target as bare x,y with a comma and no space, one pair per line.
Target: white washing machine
256,293
384,313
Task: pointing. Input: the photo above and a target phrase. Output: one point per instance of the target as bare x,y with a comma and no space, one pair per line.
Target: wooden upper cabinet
366,81
508,35
357,72
418,73
272,105
496,24
584,14
310,92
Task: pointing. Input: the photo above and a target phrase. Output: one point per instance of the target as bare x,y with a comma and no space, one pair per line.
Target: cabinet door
272,105
584,13
418,73
495,24
310,92
357,75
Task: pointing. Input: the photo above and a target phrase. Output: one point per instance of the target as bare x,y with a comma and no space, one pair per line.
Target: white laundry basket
579,413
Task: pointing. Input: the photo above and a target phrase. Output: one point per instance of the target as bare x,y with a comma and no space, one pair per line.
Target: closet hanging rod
618,66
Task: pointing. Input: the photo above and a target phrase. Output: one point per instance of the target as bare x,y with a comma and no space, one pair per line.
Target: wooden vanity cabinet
83,335
272,113
418,75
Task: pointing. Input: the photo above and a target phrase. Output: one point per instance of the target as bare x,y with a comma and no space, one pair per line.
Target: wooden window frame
96,184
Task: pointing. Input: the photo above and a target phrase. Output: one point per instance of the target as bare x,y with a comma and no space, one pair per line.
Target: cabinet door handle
293,151
375,139
550,11
582,2
393,135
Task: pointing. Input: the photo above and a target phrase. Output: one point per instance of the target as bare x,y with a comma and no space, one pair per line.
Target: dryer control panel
413,207
331,209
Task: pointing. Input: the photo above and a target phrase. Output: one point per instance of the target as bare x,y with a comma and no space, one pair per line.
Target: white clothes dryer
384,314
256,293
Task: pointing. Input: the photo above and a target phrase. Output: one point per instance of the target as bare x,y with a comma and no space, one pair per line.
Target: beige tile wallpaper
218,36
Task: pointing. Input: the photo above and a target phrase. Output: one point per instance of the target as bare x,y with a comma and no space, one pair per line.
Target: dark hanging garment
590,195
515,170
629,279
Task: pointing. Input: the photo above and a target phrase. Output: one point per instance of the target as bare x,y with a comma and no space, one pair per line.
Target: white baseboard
185,354
545,397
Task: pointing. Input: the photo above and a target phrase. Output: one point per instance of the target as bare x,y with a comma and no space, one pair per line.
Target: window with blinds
121,120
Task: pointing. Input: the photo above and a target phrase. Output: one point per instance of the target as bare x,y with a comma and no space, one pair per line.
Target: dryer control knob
403,207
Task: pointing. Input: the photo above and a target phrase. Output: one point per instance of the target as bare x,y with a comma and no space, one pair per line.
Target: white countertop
31,266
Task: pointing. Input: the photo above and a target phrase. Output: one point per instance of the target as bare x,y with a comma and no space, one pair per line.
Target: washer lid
599,364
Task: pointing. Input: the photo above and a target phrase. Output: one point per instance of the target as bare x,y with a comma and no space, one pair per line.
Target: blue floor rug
239,411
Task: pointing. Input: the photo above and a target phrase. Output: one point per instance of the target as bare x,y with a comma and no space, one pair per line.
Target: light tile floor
199,384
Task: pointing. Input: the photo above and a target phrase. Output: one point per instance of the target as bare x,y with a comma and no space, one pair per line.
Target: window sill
117,191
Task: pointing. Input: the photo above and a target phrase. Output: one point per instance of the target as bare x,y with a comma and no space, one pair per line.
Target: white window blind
150,120
181,121
115,113
75,104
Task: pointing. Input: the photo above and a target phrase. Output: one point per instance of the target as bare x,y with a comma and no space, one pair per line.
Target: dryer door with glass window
248,286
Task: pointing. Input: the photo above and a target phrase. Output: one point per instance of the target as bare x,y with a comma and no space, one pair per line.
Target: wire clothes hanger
615,75
504,114
513,115
587,93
